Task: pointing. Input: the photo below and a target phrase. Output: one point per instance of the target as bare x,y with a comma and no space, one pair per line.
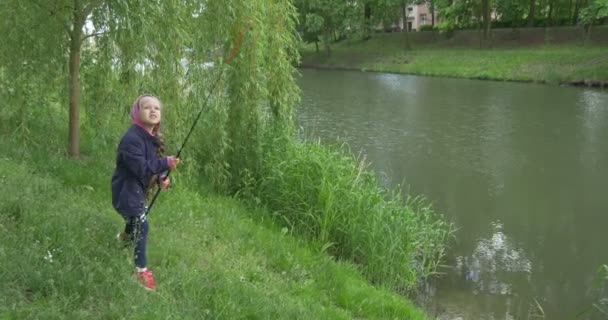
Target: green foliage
327,196
313,25
596,9
330,21
324,19
458,14
118,36
386,12
512,10
427,27
164,48
31,61
257,93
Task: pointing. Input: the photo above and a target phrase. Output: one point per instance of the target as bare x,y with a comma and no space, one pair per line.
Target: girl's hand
165,182
172,161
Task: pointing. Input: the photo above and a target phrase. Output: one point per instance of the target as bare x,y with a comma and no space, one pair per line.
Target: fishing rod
231,54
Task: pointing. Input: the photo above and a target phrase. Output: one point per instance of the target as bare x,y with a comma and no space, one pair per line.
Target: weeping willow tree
259,89
80,63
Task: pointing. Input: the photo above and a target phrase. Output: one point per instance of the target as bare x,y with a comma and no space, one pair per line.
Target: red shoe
146,279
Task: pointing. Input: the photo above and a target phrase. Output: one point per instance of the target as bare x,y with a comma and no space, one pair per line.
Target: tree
577,7
595,10
326,20
457,13
486,11
511,11
52,59
313,26
387,12
531,13
80,12
60,25
431,5
367,20
404,4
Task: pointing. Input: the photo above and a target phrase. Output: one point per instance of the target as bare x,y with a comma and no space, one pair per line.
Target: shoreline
581,83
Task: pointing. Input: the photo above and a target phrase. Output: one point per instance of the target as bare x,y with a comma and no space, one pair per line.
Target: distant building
417,15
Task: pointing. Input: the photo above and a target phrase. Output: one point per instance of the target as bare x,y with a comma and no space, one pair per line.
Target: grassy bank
555,64
213,257
326,195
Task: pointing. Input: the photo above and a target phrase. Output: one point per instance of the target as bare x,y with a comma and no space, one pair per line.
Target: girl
140,166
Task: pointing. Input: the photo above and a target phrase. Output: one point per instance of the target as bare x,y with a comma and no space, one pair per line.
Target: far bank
542,55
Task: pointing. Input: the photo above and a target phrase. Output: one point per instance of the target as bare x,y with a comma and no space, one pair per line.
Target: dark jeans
136,229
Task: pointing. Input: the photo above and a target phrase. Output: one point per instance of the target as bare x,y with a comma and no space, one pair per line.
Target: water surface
520,169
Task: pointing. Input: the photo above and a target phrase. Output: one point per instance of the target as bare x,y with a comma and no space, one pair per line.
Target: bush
427,27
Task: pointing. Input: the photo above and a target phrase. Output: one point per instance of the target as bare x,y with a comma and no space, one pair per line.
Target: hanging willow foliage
80,64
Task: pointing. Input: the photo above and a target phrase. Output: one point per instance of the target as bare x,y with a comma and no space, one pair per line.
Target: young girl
140,166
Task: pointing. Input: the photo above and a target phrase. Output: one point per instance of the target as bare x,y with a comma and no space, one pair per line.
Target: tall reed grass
327,195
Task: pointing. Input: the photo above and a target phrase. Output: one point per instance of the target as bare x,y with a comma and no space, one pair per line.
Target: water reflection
493,263
594,119
492,274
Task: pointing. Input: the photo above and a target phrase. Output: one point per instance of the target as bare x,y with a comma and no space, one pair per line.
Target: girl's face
149,111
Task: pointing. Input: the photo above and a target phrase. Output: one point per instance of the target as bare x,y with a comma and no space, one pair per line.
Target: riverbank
213,256
565,64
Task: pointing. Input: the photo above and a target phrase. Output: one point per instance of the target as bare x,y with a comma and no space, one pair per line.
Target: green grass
551,64
326,195
213,257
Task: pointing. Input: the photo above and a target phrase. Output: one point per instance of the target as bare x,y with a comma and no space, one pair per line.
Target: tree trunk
577,6
404,14
531,13
74,86
487,19
550,14
432,8
479,15
74,126
367,21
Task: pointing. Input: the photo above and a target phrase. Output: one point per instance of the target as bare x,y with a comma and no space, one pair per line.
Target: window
423,18
410,9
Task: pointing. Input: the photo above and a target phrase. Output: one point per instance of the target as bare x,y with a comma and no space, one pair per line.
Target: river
520,169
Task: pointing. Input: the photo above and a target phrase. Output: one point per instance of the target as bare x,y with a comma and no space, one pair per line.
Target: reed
326,194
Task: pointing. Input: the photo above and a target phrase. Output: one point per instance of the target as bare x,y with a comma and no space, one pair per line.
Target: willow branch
95,34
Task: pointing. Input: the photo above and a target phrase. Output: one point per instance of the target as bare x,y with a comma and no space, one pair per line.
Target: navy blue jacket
136,163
